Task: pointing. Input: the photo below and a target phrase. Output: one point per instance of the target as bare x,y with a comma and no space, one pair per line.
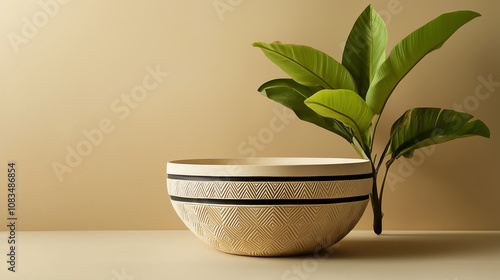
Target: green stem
377,199
361,142
383,184
384,154
377,209
373,133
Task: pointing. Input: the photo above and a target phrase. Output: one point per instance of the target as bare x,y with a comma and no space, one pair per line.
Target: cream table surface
148,255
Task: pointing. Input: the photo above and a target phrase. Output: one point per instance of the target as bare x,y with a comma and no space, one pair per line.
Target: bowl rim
269,167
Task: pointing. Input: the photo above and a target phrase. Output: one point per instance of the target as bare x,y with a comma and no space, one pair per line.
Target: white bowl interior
279,166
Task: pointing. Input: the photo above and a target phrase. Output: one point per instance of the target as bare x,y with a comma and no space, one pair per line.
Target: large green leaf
365,48
308,66
409,52
292,95
346,106
421,127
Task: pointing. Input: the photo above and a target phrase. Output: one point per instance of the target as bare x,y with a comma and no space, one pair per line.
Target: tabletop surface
150,255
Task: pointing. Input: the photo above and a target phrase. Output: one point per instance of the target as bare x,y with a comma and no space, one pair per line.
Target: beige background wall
71,72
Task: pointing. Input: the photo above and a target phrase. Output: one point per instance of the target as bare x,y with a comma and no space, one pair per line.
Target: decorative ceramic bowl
270,206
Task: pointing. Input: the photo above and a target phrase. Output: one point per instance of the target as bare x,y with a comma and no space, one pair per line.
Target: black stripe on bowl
270,179
251,202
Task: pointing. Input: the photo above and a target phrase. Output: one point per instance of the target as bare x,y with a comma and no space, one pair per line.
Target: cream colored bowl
270,206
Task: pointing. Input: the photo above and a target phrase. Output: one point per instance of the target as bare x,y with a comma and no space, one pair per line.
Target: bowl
270,206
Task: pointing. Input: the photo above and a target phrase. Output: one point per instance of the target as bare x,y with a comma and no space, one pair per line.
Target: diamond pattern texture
269,190
270,230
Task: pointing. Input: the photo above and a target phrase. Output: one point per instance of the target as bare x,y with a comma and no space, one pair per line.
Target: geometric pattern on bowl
268,190
270,206
270,230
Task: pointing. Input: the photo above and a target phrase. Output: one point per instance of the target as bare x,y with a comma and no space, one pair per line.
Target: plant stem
373,132
383,182
377,209
377,199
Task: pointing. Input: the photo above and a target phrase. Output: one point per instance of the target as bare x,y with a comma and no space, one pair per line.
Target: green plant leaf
292,95
364,51
421,127
346,106
308,66
409,52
